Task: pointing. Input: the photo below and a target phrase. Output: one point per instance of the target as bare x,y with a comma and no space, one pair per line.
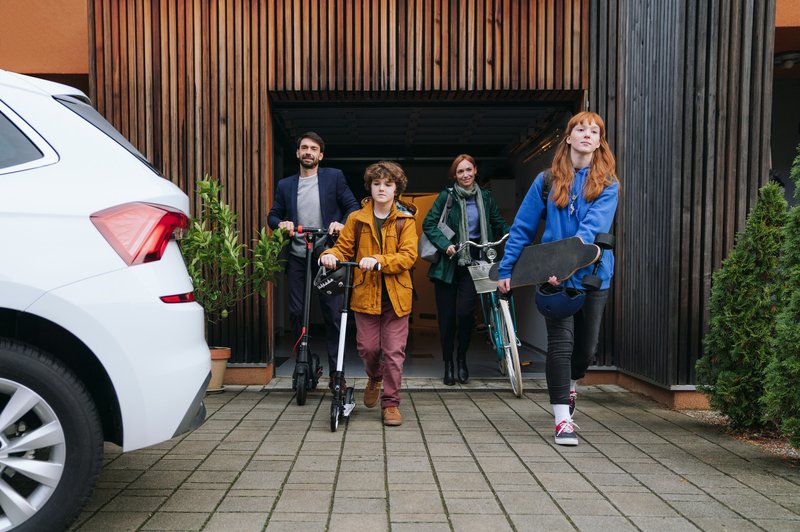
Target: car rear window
88,113
15,147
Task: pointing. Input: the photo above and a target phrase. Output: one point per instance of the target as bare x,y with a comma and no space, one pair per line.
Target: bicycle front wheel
509,336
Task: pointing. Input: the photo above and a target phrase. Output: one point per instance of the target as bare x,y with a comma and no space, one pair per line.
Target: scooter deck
562,258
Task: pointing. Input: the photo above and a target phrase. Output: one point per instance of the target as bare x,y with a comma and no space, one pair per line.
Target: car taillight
139,232
188,297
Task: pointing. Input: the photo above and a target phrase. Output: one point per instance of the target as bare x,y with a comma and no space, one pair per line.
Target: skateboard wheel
591,282
605,240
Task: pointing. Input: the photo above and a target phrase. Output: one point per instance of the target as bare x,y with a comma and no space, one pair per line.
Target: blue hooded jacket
579,218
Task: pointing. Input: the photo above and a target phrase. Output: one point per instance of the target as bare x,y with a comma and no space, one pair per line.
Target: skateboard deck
562,258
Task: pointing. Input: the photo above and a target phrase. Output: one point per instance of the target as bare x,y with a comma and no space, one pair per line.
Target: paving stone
584,507
416,526
176,521
105,521
717,524
343,504
258,480
641,504
196,500
306,501
233,502
412,502
480,523
240,522
350,522
602,523
482,506
131,503
659,524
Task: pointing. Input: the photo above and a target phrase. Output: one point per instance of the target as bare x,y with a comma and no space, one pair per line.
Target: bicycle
498,313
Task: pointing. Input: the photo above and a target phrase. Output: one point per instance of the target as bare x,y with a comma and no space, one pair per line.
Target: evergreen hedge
781,400
742,315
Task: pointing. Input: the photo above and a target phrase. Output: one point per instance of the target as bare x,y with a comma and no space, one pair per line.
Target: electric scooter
307,368
342,402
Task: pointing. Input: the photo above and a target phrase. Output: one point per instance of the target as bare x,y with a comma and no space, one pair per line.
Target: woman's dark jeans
571,343
455,310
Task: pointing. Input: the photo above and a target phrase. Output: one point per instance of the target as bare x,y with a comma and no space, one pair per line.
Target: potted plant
225,271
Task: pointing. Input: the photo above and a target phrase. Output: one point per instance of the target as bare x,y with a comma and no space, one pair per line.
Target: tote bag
426,250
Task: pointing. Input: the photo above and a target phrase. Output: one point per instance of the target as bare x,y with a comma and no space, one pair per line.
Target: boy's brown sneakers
392,417
372,392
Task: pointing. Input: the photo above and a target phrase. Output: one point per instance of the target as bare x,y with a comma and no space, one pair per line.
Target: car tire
40,395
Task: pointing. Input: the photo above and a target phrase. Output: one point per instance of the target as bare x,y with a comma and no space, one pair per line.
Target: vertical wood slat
686,188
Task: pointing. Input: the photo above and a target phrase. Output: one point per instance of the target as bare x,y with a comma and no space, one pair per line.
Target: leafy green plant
742,314
224,270
781,398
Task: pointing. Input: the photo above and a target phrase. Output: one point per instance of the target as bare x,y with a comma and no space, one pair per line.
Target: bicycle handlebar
481,246
340,263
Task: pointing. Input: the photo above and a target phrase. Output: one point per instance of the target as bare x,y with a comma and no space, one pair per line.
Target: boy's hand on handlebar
451,250
368,264
334,228
504,285
328,260
553,280
287,226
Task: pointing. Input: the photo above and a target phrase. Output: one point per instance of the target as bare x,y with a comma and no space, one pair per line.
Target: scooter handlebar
302,230
339,263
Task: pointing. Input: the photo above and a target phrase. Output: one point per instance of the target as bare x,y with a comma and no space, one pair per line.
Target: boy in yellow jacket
381,233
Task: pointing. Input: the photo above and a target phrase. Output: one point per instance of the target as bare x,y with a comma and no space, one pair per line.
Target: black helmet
331,282
558,302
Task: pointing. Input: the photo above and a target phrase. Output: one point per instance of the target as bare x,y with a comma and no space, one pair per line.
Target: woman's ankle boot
449,378
463,373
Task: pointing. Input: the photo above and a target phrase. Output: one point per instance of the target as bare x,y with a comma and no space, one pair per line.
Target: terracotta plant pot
219,362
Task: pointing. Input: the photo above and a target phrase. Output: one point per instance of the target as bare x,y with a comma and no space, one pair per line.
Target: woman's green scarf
464,257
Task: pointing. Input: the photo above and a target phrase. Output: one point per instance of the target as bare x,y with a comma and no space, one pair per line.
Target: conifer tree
742,314
782,379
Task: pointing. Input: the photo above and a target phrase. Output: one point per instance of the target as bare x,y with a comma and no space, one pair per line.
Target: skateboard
562,258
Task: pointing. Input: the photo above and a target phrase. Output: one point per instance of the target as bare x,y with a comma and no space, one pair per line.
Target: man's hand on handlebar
451,250
334,228
287,226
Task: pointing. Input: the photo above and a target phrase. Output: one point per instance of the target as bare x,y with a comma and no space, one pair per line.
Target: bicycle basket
480,276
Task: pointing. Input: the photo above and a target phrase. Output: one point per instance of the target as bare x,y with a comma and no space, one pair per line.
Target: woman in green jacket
473,216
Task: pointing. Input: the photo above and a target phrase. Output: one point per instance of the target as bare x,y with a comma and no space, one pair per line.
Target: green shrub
781,398
742,314
225,271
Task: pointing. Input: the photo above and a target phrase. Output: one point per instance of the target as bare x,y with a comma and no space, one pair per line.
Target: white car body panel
56,264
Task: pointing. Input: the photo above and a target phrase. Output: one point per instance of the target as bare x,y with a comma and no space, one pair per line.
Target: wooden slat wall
693,101
685,91
187,81
379,46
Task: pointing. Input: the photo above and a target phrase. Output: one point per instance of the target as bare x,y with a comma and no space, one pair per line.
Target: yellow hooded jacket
396,258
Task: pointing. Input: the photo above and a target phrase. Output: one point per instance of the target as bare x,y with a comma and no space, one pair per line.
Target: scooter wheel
316,370
348,396
301,390
335,412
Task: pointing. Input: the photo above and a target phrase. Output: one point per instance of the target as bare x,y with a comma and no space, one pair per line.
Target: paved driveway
471,458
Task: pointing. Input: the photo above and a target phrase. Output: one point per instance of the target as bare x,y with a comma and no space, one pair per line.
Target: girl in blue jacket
581,202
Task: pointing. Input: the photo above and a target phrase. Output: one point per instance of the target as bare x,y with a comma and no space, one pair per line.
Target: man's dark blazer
336,200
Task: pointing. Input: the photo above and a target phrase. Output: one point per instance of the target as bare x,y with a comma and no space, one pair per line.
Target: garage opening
510,142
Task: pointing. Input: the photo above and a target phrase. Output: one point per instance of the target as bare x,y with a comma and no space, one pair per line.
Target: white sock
573,385
560,412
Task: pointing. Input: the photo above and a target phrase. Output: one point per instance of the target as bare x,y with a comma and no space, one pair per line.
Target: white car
100,337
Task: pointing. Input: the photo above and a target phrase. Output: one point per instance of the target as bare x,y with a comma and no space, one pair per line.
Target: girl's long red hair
602,171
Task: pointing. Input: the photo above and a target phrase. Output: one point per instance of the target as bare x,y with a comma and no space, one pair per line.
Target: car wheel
51,443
